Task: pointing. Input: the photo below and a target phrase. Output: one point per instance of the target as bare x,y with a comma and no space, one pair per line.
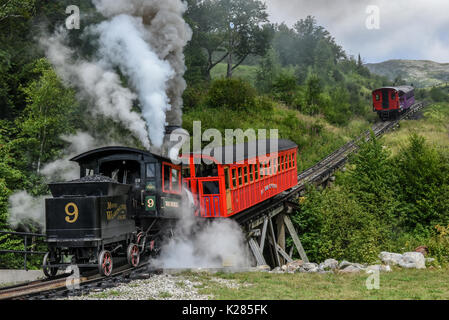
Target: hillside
421,73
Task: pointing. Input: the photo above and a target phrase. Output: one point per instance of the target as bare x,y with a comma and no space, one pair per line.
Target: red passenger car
392,101
224,188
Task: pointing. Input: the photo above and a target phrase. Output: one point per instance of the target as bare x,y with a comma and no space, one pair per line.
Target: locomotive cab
155,181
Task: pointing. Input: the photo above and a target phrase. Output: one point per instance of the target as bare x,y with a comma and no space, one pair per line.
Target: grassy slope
245,72
434,126
315,137
399,284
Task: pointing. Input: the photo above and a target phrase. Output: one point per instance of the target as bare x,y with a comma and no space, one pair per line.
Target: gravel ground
158,287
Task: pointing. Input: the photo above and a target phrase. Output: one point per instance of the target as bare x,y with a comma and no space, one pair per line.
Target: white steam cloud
122,44
145,40
166,32
213,244
96,83
63,169
26,210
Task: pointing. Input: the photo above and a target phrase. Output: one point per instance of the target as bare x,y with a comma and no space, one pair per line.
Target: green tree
267,71
49,113
313,93
285,87
249,32
229,29
231,94
339,111
424,185
16,9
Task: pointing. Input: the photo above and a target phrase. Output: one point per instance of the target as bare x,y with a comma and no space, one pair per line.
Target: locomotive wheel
105,263
46,266
133,255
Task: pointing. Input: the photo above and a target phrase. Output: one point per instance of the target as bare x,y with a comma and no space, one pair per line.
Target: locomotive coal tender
125,199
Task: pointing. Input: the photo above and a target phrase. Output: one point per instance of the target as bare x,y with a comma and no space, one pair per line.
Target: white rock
389,258
413,260
263,268
329,264
350,269
345,264
310,267
294,266
378,267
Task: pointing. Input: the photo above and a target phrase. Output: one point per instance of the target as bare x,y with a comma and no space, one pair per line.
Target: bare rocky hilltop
420,73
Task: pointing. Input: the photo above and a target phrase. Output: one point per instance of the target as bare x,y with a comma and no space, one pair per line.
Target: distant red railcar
389,102
224,188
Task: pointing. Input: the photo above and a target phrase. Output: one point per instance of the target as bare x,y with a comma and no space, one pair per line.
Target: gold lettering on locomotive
112,205
119,213
72,215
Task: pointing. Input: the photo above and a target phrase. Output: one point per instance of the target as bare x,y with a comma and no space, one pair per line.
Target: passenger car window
245,171
256,172
234,178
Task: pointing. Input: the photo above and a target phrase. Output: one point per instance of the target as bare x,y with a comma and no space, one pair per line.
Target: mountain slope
421,73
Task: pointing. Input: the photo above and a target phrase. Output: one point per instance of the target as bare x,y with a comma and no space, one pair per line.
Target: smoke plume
65,170
144,39
26,211
167,34
210,244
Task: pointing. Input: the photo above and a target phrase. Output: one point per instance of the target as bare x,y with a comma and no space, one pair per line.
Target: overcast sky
408,29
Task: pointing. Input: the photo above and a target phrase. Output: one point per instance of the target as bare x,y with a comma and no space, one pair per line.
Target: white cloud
409,29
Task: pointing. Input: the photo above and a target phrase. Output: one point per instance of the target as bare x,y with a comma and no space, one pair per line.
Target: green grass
165,295
396,285
245,72
434,126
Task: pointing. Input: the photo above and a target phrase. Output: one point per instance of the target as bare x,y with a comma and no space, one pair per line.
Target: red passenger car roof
249,150
405,89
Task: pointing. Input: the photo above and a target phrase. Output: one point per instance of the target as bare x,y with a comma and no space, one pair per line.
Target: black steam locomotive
119,207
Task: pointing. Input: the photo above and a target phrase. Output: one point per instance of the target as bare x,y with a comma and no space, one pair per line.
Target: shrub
232,94
423,175
439,244
438,95
333,224
338,110
284,88
193,96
